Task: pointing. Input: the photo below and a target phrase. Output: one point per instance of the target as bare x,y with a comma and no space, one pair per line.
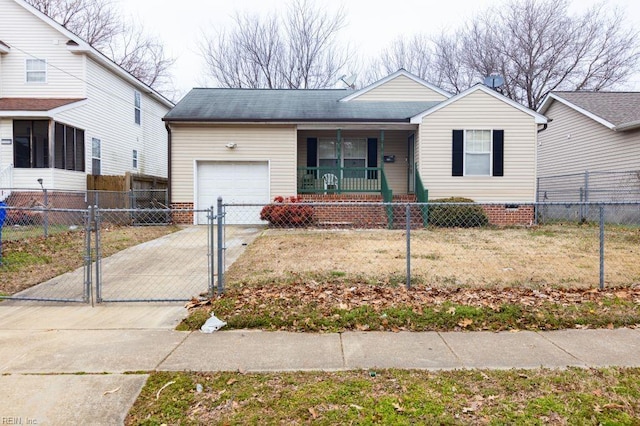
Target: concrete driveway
174,267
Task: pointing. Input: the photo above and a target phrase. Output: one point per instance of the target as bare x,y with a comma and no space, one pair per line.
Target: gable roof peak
400,72
539,118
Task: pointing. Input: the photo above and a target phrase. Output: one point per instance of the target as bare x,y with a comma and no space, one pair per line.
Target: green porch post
382,150
339,148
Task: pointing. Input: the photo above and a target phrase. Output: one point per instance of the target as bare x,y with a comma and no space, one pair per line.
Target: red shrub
287,212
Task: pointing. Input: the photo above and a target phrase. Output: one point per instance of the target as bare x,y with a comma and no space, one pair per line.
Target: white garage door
237,183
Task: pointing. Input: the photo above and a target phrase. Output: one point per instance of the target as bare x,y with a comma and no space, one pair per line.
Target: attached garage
237,182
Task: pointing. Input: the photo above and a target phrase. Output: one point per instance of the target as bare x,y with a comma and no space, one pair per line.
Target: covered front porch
358,160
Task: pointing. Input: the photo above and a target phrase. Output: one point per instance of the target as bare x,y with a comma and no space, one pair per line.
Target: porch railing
422,196
387,197
338,180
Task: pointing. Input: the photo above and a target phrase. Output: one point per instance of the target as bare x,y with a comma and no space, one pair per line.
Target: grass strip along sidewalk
341,305
529,397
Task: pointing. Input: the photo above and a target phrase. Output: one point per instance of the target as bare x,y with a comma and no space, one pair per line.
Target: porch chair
330,182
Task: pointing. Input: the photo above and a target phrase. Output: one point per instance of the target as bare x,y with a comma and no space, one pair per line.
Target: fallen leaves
317,306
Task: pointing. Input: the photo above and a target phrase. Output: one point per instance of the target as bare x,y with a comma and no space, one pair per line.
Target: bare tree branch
99,23
298,50
536,45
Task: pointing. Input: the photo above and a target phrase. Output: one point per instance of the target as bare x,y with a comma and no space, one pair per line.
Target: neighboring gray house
593,142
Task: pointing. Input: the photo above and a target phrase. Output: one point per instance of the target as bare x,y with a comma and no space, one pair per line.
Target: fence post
211,217
586,195
98,256
89,217
408,214
46,213
220,248
601,247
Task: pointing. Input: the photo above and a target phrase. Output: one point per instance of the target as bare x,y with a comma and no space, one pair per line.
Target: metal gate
167,267
175,267
23,231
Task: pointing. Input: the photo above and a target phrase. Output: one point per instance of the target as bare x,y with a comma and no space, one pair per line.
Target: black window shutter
498,153
312,155
457,159
372,157
312,152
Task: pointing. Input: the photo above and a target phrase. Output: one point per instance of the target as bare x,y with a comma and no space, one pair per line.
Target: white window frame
137,107
96,142
342,154
28,71
489,153
135,159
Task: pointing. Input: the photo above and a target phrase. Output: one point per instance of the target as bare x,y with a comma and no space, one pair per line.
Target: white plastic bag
212,324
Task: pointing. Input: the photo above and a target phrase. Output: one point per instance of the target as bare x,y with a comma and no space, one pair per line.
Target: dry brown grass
557,255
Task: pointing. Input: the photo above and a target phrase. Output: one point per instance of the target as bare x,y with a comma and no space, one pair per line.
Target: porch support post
382,150
339,148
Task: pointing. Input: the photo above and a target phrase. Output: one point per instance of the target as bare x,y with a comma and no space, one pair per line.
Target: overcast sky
371,24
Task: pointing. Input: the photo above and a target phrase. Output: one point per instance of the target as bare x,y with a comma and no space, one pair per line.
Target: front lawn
540,278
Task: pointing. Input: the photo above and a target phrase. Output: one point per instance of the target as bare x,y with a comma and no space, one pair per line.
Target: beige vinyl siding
574,143
395,143
108,115
401,88
30,37
479,110
206,142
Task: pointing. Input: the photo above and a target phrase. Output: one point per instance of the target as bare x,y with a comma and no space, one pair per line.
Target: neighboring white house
67,111
399,134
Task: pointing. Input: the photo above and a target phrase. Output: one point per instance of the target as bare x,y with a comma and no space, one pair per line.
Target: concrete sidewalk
77,376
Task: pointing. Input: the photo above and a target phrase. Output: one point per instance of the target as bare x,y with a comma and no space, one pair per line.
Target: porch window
477,153
68,148
31,144
354,156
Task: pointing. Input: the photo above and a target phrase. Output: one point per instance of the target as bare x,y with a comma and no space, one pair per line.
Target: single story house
393,138
591,149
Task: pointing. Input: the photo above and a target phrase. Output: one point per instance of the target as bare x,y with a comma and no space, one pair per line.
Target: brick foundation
510,214
182,217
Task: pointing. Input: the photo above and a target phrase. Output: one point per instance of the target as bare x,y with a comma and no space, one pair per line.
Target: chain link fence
590,187
442,244
104,255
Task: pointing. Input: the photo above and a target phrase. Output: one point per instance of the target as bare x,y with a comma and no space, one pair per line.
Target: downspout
544,127
166,125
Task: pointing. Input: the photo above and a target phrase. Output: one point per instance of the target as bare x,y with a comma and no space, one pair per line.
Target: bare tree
537,46
99,23
297,51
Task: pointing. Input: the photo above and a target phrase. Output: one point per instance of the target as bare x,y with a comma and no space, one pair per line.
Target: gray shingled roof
618,108
287,105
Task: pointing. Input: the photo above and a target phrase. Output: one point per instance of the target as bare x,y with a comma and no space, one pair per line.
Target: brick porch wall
341,215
